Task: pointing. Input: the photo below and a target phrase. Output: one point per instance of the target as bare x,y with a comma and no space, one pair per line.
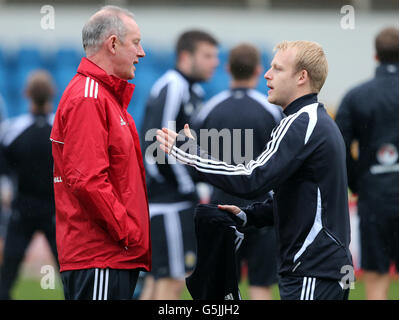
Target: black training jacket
172,102
304,164
218,239
27,152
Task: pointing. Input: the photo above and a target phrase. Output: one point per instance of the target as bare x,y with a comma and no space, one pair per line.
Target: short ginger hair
310,56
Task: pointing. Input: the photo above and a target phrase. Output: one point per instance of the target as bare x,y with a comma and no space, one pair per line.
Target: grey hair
101,26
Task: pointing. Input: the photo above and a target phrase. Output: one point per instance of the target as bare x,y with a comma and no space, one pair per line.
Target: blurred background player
27,152
3,181
369,114
242,107
171,190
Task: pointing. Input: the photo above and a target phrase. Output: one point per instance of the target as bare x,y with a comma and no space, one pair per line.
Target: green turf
29,289
355,294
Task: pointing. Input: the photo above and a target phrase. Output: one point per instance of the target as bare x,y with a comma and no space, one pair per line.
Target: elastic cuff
243,216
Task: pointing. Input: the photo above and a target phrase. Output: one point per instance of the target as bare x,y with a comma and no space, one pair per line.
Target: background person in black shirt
172,194
369,114
4,184
27,152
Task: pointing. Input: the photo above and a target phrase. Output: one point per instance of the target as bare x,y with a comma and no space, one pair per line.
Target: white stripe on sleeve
91,88
87,86
219,167
96,91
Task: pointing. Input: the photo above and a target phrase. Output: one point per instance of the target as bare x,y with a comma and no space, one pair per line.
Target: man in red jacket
102,220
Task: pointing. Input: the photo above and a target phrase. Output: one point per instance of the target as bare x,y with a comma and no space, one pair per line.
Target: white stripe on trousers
102,283
173,233
95,284
308,287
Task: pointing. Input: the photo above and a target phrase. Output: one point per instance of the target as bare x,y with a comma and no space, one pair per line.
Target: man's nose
141,52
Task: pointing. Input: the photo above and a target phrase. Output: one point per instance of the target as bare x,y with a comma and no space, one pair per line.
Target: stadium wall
350,51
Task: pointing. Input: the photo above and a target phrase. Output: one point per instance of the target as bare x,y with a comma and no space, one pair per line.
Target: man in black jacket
304,164
27,150
172,195
369,113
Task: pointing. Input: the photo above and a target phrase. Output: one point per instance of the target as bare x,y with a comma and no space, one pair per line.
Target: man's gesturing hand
167,137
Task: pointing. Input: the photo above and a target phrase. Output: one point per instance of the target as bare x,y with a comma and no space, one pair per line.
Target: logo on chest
188,109
387,154
123,122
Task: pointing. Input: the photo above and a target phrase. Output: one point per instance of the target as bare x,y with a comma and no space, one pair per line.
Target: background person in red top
102,220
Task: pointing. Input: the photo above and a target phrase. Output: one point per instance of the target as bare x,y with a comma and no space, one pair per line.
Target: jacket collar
297,104
385,69
121,89
190,80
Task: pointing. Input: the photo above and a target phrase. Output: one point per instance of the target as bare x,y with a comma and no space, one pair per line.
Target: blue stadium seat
3,72
66,62
4,79
68,56
219,82
16,103
136,109
265,60
2,57
26,60
146,75
161,60
62,76
223,55
29,56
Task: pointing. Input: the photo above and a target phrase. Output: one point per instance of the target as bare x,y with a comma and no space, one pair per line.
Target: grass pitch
30,289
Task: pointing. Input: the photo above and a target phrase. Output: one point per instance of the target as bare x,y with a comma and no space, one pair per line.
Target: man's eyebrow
275,64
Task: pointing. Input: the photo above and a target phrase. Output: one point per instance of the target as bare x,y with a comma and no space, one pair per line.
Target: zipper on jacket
296,266
333,238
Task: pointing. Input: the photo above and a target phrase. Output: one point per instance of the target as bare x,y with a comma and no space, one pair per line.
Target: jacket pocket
324,257
118,173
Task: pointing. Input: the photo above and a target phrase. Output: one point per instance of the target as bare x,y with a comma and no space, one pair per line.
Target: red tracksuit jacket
102,218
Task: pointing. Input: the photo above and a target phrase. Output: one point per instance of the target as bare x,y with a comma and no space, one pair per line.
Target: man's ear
184,61
303,77
111,44
186,56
